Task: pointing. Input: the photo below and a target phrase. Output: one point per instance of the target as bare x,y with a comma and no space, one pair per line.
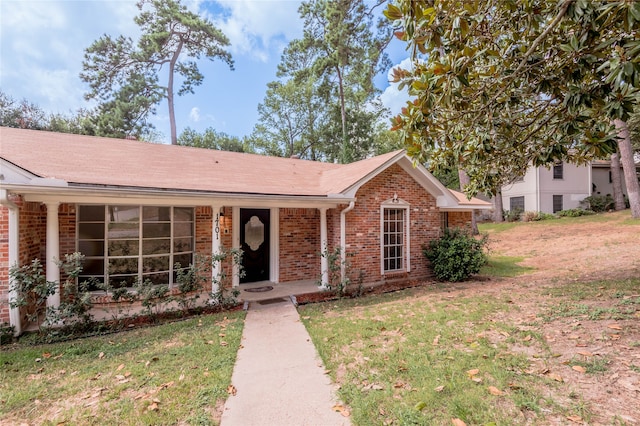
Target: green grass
168,374
505,266
408,361
598,300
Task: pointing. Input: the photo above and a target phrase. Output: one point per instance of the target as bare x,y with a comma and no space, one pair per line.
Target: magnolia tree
500,85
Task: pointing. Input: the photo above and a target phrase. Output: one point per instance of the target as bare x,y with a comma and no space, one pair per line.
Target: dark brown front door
254,241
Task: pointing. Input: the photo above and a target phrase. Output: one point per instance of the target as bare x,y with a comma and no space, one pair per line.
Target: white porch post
13,242
53,251
324,262
215,247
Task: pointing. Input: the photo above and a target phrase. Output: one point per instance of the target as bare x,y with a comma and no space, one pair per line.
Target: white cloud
194,115
393,98
256,27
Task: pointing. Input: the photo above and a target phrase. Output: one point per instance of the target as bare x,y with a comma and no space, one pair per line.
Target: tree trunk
616,180
172,109
464,181
629,168
343,115
497,207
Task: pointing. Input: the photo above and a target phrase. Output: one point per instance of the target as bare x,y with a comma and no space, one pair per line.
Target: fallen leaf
224,344
576,419
120,367
477,379
436,340
231,390
439,389
166,385
46,355
342,410
614,327
527,338
221,335
458,422
101,355
555,377
473,372
579,369
585,353
181,378
495,391
153,407
420,406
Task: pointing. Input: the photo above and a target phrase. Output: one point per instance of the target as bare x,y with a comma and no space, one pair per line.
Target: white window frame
396,204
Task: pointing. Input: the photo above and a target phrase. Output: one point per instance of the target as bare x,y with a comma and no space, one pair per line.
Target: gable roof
78,161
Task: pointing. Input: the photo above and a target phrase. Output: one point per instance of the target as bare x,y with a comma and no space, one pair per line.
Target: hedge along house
135,209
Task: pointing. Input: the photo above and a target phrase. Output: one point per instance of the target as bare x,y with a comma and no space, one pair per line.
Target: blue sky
42,44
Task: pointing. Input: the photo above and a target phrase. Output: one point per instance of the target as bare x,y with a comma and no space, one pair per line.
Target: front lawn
175,373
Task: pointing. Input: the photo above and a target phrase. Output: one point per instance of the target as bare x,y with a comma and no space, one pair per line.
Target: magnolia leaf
614,327
473,372
458,422
579,369
120,367
439,389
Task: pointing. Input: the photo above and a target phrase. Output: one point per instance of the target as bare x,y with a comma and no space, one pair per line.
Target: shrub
575,213
531,216
456,255
598,203
512,215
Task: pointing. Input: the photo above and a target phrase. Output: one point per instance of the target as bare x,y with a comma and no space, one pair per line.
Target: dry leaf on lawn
495,391
614,327
576,419
579,369
473,372
231,390
458,422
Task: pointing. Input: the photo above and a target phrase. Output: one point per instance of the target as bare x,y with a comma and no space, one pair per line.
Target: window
126,244
395,236
516,203
558,171
444,221
557,203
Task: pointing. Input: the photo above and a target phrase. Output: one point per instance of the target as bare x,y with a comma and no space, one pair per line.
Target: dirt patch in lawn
590,328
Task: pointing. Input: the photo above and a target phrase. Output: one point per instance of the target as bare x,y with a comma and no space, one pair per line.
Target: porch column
324,261
53,251
13,242
215,247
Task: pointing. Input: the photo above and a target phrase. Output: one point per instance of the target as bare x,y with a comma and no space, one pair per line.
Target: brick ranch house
134,209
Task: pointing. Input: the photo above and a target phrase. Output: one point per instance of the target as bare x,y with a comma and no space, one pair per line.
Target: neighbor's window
557,203
558,170
516,203
126,244
395,236
444,221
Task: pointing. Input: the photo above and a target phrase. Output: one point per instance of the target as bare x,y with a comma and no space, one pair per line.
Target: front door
254,241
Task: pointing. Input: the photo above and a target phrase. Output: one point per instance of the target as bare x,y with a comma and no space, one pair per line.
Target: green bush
598,203
575,213
456,255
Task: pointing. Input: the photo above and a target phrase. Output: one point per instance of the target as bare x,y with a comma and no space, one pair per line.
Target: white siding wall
539,187
601,180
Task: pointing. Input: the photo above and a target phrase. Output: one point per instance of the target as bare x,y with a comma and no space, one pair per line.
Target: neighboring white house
559,187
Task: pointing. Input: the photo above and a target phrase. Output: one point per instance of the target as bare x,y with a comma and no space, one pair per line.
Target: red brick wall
363,225
460,220
299,244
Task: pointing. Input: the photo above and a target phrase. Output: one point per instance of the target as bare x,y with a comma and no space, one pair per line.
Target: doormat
259,289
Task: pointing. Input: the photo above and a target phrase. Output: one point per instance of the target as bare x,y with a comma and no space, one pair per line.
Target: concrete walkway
278,375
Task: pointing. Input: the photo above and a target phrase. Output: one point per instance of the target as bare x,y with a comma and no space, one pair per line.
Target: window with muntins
395,236
516,203
557,203
126,244
558,171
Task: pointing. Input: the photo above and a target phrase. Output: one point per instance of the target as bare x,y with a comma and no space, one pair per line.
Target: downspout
13,241
343,239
